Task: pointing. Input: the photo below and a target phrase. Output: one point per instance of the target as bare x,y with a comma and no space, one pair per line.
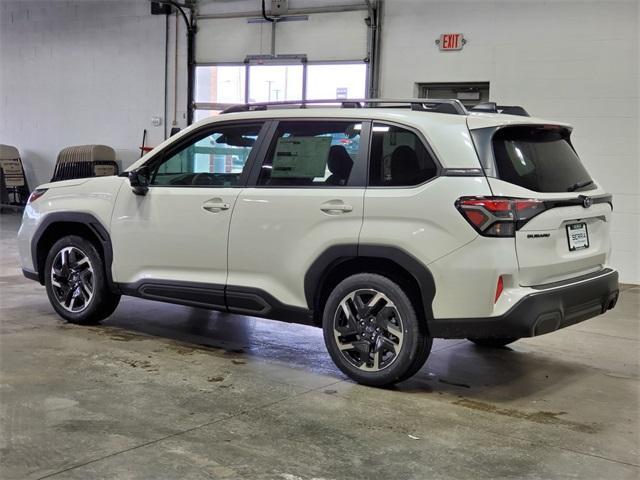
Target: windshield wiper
578,185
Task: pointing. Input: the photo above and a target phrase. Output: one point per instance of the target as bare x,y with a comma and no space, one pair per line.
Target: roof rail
451,106
493,107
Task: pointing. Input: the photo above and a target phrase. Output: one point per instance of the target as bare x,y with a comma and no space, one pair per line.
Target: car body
488,224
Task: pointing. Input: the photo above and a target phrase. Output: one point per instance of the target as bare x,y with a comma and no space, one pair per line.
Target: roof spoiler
493,107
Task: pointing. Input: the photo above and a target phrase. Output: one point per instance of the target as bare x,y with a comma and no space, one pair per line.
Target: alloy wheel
72,279
368,330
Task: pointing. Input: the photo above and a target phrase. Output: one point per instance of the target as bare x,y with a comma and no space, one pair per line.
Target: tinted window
215,158
312,154
539,159
398,158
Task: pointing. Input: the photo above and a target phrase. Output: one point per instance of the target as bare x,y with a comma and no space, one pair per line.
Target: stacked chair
83,161
14,189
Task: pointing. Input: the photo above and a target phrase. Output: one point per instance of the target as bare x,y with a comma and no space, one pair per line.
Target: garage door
323,37
333,46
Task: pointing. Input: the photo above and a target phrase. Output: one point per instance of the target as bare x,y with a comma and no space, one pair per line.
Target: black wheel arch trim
86,219
31,275
333,256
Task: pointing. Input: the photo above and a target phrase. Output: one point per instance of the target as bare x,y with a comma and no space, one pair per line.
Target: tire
492,342
382,340
76,282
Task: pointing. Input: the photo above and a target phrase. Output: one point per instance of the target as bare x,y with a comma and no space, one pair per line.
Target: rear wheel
372,332
76,282
492,342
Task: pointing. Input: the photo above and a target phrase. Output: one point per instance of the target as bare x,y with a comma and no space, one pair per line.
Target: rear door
308,195
571,236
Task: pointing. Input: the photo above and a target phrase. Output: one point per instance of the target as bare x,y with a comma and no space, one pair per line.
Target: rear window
539,159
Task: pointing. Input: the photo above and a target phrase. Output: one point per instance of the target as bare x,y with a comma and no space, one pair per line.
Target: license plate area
577,236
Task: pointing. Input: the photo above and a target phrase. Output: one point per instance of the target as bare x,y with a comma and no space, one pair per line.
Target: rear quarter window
398,158
539,158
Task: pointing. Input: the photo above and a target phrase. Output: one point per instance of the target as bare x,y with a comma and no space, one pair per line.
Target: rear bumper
547,309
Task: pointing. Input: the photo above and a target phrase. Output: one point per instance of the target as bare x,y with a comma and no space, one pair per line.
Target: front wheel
372,331
76,282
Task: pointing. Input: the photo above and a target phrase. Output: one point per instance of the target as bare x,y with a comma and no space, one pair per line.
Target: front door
176,235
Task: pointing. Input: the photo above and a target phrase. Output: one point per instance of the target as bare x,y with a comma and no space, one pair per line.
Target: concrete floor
161,391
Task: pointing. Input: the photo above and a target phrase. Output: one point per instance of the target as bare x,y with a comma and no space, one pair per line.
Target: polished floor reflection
162,391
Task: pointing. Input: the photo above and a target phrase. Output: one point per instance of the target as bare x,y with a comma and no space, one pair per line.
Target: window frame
426,145
247,65
200,133
357,178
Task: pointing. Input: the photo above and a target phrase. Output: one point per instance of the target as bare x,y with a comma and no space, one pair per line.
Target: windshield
539,158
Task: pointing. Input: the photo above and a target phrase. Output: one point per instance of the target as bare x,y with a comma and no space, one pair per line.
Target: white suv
388,223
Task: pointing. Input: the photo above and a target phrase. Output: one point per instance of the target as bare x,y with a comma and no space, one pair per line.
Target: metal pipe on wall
291,11
190,24
174,123
373,47
274,23
370,40
166,74
191,66
375,73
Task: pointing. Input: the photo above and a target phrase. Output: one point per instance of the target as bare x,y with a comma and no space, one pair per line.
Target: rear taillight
36,194
498,216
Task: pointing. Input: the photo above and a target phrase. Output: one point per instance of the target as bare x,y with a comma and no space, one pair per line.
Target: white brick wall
574,61
77,73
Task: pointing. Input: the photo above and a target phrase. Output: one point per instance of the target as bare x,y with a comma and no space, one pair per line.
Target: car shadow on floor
457,367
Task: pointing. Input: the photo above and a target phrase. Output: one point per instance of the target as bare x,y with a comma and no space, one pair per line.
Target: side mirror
139,180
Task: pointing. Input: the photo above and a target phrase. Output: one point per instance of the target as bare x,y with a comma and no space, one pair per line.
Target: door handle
215,205
334,207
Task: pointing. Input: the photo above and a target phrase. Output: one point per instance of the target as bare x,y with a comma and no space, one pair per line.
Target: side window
398,158
214,158
312,154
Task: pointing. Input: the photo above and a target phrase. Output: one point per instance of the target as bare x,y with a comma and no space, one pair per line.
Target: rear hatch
568,234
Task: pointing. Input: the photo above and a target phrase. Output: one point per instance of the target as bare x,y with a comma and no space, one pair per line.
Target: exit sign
451,41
